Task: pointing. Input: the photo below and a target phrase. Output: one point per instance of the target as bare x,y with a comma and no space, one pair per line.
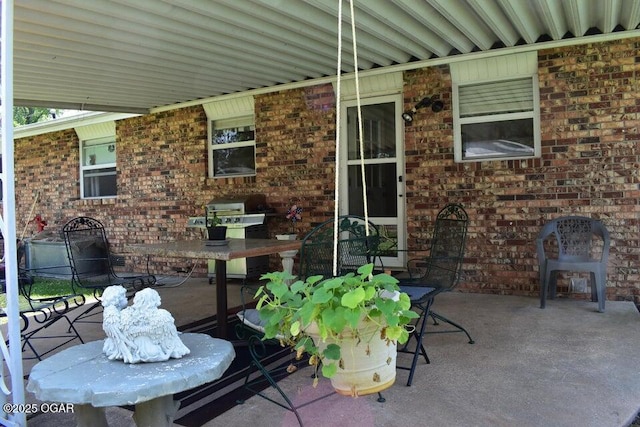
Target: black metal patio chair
355,249
91,262
438,272
268,363
39,313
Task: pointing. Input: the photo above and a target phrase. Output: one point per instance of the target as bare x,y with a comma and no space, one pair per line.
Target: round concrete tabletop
83,375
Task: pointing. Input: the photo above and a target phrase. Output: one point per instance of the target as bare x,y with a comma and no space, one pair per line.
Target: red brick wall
295,137
162,170
590,102
590,108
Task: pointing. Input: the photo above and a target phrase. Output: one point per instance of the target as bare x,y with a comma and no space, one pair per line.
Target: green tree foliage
27,115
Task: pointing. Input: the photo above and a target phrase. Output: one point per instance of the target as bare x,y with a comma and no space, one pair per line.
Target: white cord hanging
336,192
360,121
338,133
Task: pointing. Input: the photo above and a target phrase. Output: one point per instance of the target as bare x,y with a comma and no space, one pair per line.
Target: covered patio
566,365
153,63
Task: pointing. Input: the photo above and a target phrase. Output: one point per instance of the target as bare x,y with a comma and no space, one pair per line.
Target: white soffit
495,68
230,108
380,84
95,131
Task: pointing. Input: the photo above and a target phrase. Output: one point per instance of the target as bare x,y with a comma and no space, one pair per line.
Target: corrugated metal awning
136,55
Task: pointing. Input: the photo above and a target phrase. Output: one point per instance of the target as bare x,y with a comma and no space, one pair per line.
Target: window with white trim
496,109
98,168
232,147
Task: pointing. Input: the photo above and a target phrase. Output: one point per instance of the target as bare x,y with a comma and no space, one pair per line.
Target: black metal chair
267,366
581,245
438,272
92,262
39,313
355,249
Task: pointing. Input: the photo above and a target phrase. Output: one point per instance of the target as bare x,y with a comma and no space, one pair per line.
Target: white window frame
230,123
497,69
111,140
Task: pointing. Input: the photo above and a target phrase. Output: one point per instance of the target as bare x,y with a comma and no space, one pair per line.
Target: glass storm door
383,160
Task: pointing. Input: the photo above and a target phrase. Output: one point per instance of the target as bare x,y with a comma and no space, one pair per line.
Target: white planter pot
369,364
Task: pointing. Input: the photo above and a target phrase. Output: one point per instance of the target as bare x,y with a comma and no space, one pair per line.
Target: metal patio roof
137,55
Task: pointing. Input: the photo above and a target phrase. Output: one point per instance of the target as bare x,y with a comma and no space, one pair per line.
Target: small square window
232,149
496,120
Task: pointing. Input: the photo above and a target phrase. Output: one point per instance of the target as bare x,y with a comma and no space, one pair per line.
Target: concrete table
237,248
82,375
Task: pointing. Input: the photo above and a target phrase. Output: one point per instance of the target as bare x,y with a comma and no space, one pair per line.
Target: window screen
497,120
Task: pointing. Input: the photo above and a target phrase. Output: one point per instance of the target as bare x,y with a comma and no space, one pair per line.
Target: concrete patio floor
566,365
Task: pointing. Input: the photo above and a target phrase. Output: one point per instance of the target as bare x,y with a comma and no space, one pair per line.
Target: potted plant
344,323
215,231
294,214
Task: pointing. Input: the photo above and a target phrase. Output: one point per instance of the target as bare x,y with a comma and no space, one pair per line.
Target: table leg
89,416
158,412
221,298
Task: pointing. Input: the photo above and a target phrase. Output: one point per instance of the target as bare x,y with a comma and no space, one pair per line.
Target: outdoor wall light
434,102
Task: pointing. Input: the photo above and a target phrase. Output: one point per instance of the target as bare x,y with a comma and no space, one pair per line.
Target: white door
384,166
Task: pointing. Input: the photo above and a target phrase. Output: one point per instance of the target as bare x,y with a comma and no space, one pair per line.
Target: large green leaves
334,308
353,298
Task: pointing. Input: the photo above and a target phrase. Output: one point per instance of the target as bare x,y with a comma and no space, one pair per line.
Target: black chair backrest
444,264
354,247
87,248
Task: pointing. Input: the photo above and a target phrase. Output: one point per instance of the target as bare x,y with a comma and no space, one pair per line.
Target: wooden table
84,376
236,248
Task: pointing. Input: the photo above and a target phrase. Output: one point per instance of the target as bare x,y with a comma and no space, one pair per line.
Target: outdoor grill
243,220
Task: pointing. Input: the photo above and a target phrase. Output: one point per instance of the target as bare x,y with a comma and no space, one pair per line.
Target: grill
243,221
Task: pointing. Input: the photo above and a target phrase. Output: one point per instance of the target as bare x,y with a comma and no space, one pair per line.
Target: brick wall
162,171
295,136
590,102
590,146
